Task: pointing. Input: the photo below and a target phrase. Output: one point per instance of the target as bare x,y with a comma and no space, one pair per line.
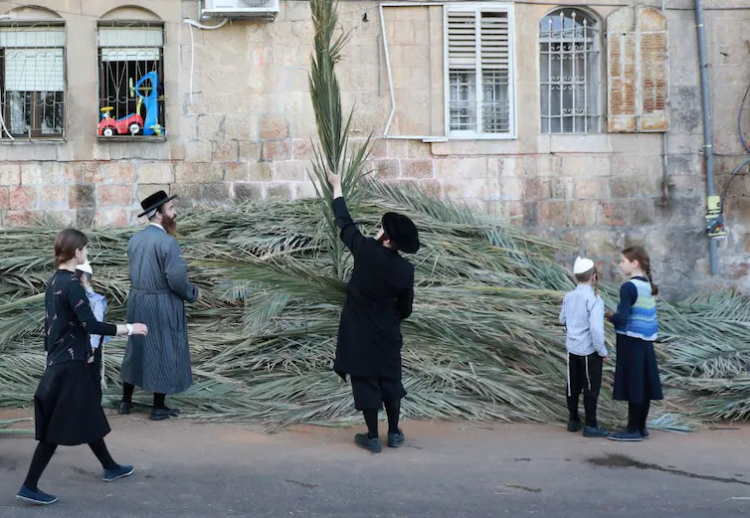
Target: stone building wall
243,131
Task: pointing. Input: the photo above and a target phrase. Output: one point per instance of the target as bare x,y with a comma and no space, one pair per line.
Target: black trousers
584,375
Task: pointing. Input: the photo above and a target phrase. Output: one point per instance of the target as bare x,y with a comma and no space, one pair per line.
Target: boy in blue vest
582,314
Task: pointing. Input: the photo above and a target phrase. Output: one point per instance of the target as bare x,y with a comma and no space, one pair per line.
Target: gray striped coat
160,361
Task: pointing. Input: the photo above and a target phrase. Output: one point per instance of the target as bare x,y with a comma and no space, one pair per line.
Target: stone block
379,148
531,214
398,148
92,172
302,149
189,193
226,151
235,171
120,173
602,243
542,166
51,196
419,149
512,189
63,218
241,126
82,196
636,186
592,189
578,166
189,127
210,127
686,186
479,189
218,192
293,170
31,173
305,190
198,172
433,188
562,188
274,126
536,188
279,190
553,213
259,172
85,218
23,198
627,212
275,150
198,151
632,164
250,150
686,164
114,195
111,218
10,174
248,191
583,213
19,218
461,168
4,197
418,168
156,172
386,169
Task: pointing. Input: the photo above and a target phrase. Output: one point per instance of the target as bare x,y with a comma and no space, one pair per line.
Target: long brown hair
638,253
67,242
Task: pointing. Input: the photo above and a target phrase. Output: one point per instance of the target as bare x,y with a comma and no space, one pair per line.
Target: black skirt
636,373
371,393
66,406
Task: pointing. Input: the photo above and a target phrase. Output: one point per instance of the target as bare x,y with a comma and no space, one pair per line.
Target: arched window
570,72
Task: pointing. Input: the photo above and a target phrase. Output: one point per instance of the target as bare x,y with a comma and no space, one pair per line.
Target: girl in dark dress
636,373
66,404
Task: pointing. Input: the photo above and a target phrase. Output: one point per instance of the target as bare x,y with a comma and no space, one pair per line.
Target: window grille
479,72
32,75
570,66
131,81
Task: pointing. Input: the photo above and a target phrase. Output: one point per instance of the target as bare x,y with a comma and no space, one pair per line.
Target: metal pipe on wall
708,149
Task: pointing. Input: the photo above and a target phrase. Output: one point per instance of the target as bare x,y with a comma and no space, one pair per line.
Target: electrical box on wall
240,9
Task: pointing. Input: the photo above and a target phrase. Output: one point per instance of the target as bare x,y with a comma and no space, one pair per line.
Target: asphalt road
186,469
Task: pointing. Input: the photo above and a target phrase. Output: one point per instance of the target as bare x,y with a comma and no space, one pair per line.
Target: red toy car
108,126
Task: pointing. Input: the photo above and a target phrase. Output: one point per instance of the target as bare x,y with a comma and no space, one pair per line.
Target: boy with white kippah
582,314
99,308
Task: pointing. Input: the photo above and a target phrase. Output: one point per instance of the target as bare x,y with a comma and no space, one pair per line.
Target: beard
169,225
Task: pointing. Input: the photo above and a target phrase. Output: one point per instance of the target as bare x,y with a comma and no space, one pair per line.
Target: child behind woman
636,373
99,308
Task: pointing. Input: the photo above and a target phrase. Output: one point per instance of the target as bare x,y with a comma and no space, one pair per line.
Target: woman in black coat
67,409
379,296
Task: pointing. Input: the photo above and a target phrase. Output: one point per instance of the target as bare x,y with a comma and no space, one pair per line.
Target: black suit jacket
379,296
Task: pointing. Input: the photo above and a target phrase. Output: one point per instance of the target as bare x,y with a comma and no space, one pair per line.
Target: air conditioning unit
239,9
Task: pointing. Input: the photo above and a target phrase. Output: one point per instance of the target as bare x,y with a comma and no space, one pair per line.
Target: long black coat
379,296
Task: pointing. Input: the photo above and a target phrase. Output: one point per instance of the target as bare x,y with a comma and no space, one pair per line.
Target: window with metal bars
570,72
480,100
32,81
131,81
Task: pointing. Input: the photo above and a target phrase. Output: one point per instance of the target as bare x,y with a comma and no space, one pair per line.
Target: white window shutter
462,40
38,70
494,42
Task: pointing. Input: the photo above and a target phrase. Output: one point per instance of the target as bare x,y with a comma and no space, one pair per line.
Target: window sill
25,141
150,140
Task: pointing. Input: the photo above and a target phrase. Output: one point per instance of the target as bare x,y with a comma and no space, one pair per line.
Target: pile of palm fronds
483,342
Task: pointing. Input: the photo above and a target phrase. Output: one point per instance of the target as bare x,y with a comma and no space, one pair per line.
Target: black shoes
574,426
125,408
160,414
396,440
595,432
366,443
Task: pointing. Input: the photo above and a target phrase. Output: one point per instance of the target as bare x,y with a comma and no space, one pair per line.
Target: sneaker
110,475
626,436
160,414
37,497
574,426
644,433
372,445
396,440
598,431
125,408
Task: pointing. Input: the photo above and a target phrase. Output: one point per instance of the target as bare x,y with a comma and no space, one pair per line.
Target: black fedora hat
155,201
402,232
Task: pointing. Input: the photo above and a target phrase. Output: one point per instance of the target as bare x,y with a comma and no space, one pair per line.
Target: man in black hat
160,362
378,297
